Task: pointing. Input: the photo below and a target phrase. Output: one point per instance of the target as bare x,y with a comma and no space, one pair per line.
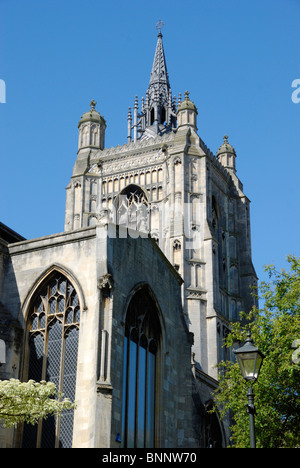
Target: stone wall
105,272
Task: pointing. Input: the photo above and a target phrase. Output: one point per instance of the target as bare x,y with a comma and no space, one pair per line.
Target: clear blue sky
238,59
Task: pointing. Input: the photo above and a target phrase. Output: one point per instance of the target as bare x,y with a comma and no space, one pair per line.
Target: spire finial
159,25
187,94
93,104
225,138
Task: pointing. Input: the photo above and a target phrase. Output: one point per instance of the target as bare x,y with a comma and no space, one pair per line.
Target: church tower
166,183
127,310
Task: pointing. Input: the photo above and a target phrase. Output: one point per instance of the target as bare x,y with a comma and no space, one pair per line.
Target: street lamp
250,361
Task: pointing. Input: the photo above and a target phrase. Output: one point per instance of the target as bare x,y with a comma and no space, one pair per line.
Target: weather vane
159,25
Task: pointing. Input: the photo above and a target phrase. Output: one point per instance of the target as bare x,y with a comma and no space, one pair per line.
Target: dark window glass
139,373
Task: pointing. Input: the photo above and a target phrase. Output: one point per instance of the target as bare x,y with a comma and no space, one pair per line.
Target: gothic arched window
141,346
132,208
52,333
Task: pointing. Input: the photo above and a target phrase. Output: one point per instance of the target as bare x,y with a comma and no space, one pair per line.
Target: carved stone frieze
134,163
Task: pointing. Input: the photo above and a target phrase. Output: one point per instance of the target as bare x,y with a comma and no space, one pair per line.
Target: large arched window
141,347
52,332
132,208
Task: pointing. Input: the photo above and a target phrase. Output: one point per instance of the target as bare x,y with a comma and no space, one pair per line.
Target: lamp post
250,361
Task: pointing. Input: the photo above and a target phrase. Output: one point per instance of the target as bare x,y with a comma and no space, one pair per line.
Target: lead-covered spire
158,113
159,78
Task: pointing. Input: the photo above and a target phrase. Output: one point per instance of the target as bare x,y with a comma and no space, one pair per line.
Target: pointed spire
159,73
159,90
158,113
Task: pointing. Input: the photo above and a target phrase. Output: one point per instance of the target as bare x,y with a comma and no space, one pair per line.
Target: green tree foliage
29,401
273,328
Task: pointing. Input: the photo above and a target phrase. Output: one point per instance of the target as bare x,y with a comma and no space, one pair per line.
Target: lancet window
141,348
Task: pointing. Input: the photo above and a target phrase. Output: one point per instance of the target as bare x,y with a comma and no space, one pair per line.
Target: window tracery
52,334
132,208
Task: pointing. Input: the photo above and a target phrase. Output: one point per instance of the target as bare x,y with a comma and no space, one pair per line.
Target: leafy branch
30,401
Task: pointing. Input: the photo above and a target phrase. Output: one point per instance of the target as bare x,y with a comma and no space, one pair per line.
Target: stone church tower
166,182
127,309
